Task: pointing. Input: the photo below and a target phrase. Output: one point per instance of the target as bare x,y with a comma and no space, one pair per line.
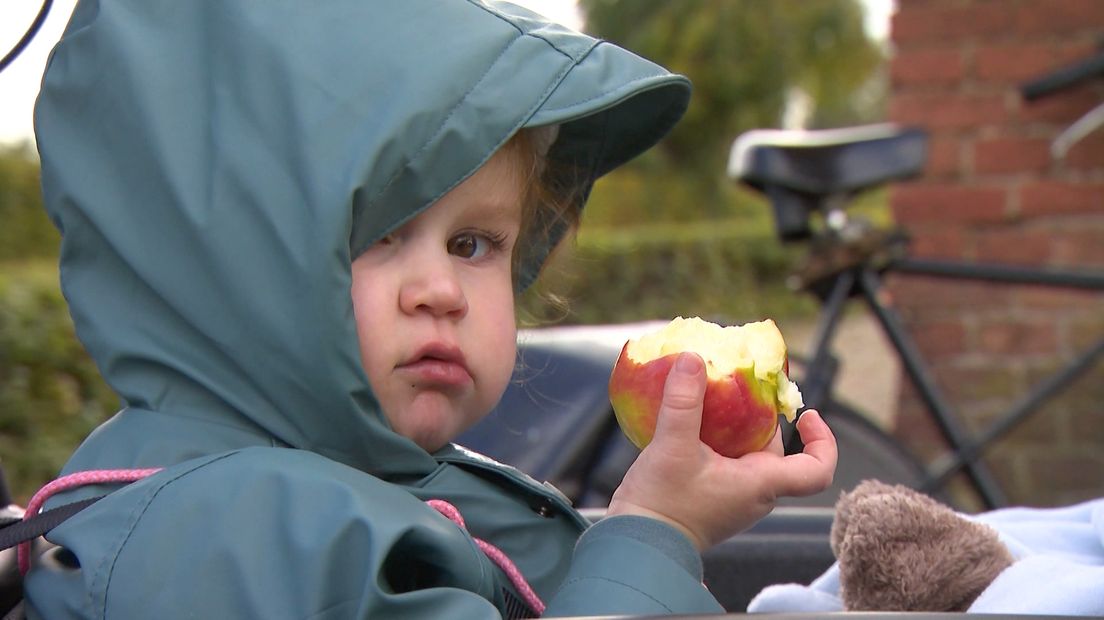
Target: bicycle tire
865,452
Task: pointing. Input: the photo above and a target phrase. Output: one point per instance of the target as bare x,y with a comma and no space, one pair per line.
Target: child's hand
683,482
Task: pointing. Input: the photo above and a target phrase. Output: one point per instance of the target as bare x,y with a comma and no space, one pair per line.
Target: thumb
681,410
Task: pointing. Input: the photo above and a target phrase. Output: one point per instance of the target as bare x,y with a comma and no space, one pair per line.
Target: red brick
1066,470
1077,409
929,22
1054,197
1016,338
1081,332
1014,245
1005,44
1013,62
1084,400
1004,155
1038,430
939,241
1021,63
948,110
1061,108
927,65
944,158
919,203
1079,248
915,429
930,296
964,383
1058,16
1060,300
1087,153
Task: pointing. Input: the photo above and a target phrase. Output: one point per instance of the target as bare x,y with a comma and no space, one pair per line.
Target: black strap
37,525
18,612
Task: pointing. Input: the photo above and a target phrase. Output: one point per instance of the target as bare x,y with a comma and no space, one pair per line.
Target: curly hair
550,212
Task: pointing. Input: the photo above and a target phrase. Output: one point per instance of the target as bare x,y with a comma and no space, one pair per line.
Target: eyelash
497,241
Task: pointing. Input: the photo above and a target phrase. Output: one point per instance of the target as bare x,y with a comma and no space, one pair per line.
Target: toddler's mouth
437,364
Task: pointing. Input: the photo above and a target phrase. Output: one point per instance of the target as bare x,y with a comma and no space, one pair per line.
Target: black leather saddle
806,171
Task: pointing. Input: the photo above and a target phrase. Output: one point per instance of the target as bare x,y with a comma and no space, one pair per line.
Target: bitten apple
746,382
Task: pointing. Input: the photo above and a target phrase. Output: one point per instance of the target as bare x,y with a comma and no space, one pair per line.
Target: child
248,190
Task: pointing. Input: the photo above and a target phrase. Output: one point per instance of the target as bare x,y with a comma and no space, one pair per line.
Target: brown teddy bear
900,550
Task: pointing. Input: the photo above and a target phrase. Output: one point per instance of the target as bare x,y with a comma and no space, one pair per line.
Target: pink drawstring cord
109,476
99,476
496,555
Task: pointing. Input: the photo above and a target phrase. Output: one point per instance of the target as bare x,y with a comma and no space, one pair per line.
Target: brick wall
992,191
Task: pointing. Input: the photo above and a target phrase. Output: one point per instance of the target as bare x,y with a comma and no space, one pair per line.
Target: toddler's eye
468,245
473,245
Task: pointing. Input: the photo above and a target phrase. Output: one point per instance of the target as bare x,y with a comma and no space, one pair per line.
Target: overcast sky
19,81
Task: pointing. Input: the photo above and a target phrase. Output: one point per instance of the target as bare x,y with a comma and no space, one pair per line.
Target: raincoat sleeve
633,565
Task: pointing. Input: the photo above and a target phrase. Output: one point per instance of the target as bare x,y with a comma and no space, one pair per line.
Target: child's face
434,307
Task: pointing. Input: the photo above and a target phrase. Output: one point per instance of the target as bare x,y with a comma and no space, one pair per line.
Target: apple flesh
746,382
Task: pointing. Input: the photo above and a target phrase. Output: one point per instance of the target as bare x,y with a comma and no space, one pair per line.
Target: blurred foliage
26,231
745,58
729,271
51,394
722,271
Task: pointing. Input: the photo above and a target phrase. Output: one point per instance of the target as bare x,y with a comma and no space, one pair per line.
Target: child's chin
431,430
433,419
430,440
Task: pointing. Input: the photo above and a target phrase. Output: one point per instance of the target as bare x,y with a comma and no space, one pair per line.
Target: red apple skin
738,415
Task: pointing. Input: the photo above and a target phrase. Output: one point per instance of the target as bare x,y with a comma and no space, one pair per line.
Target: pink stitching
496,555
97,476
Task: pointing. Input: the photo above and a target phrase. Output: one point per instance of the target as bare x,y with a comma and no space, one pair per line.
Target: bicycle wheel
865,452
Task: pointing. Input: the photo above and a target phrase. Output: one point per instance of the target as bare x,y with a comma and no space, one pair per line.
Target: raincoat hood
213,181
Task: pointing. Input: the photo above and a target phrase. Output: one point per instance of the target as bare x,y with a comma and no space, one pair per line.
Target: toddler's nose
437,291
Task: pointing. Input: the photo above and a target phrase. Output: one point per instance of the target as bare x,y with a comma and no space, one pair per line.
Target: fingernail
686,364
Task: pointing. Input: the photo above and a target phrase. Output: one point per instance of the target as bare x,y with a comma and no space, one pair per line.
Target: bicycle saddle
827,161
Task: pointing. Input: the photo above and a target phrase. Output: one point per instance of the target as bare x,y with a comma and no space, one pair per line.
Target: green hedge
51,394
26,232
724,271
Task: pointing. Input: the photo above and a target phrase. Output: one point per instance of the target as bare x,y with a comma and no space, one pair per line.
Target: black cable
27,36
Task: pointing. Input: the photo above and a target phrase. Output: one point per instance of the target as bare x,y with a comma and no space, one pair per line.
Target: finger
819,441
812,470
683,393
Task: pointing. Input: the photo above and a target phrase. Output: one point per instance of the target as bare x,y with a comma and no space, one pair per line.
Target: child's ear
900,550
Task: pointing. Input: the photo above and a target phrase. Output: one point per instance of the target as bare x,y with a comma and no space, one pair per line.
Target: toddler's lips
437,365
435,372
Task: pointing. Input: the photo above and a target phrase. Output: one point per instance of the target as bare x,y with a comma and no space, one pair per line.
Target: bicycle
556,423
813,175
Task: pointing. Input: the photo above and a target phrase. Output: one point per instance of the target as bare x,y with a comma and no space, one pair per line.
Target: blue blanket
1059,567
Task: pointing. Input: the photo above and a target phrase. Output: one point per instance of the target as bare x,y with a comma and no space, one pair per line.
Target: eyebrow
497,206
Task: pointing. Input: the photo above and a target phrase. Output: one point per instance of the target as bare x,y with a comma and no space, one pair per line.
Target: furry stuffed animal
900,550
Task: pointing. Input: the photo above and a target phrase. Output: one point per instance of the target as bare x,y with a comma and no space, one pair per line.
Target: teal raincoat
214,166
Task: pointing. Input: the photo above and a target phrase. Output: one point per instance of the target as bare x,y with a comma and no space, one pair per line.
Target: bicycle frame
865,281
